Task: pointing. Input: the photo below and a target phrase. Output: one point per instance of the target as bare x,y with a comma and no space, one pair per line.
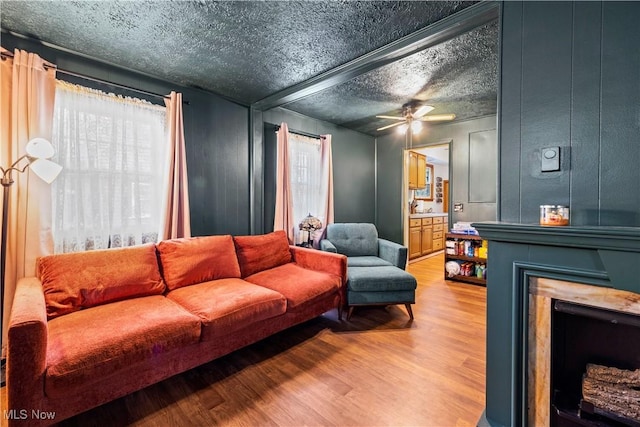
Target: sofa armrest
327,246
393,252
327,262
27,345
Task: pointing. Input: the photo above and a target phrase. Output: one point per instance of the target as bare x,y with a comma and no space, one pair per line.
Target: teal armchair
375,267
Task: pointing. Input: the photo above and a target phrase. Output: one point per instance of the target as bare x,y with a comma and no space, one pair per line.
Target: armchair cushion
380,279
354,239
366,261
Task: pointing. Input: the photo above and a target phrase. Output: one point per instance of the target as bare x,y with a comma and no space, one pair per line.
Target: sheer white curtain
306,176
112,150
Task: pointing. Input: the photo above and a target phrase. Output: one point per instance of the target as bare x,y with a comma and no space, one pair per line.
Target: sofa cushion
354,239
261,252
299,285
90,344
85,279
366,261
227,305
188,261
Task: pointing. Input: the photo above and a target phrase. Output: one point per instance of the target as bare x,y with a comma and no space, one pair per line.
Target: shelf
463,236
467,258
469,279
464,258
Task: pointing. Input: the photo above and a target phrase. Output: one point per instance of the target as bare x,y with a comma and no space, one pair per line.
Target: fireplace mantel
601,256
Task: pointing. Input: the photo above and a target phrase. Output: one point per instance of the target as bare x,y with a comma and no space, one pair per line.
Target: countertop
428,215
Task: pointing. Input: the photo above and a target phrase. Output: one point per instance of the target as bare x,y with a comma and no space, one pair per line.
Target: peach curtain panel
283,219
327,178
28,93
177,222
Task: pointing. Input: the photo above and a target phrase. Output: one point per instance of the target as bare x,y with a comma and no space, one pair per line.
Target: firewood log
617,398
613,375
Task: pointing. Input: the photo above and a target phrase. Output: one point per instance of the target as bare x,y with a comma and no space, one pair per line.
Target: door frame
405,183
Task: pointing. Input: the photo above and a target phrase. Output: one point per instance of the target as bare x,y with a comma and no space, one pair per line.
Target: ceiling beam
431,35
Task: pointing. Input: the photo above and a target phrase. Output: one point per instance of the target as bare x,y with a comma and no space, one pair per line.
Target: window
305,164
112,150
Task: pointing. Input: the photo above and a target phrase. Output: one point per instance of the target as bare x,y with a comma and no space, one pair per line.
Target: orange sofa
97,325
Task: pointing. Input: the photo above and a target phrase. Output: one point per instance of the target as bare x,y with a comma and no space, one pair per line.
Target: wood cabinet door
413,170
421,171
427,240
415,249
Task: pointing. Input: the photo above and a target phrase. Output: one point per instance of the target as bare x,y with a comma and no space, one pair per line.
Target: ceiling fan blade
438,117
390,126
422,111
390,117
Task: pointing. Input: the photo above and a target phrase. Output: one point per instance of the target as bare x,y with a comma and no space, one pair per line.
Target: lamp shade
39,148
310,223
47,170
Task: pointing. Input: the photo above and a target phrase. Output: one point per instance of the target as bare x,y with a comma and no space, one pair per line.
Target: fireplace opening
609,343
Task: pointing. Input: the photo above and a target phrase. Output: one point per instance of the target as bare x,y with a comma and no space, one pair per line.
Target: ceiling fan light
416,127
403,128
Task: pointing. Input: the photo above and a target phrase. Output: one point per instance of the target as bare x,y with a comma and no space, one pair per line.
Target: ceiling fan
412,119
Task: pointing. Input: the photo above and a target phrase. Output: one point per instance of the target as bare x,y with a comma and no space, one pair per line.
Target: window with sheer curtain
112,149
305,162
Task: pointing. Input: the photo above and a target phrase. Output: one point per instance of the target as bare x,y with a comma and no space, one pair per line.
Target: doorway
431,197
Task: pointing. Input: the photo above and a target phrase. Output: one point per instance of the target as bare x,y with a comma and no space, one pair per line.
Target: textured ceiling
248,50
457,76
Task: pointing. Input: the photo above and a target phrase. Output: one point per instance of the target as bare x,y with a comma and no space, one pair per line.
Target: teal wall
390,149
570,77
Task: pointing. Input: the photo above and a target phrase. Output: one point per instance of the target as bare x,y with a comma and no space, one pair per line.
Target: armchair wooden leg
350,312
408,306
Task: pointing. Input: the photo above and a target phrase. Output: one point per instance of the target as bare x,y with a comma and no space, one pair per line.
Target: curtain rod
300,132
5,55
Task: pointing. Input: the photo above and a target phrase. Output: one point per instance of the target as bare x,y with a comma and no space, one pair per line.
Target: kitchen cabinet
415,238
421,171
439,230
426,235
417,170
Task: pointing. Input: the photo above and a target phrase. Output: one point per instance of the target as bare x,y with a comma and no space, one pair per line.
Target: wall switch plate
550,159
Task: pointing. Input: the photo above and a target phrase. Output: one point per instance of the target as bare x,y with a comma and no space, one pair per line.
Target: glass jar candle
555,215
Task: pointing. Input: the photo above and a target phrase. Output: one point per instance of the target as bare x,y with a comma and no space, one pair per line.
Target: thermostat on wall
550,159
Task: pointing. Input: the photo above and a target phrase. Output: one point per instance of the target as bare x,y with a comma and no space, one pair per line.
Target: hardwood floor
379,369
